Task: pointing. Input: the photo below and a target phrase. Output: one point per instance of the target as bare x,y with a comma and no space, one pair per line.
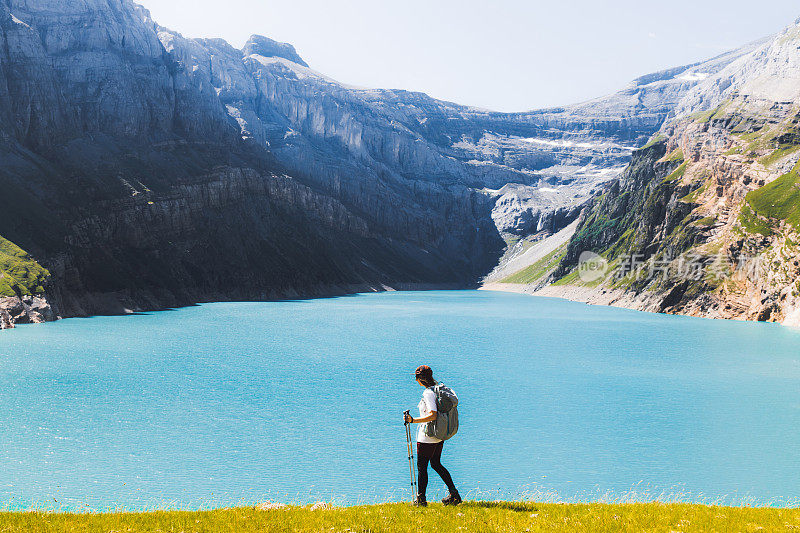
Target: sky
505,55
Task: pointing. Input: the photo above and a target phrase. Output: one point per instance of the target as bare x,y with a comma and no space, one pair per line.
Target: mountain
143,170
706,219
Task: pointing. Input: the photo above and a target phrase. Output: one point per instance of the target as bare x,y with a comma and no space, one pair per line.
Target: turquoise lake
302,401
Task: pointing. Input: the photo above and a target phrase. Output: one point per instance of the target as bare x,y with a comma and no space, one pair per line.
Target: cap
423,371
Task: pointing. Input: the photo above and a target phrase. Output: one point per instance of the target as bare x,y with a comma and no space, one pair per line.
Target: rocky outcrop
24,310
266,47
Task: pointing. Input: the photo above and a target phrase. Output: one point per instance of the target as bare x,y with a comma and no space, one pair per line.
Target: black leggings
432,453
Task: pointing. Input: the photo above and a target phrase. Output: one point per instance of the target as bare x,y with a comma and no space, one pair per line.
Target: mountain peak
264,46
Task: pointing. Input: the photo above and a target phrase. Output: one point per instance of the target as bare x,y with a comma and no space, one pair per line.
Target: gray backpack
446,423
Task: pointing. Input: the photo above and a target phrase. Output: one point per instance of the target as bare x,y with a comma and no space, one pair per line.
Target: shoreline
615,298
574,293
40,310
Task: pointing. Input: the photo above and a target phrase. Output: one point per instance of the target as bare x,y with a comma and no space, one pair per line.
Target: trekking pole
411,459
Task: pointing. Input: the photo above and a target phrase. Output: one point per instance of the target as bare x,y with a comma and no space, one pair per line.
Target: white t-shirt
426,406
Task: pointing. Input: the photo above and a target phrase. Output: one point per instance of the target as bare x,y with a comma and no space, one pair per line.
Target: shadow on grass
511,506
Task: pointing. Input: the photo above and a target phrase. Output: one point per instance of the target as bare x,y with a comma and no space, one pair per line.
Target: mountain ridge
146,170
708,208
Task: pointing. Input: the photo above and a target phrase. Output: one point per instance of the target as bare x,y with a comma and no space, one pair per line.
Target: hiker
429,449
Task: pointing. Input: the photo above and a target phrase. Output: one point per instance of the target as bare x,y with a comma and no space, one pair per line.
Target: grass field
779,199
469,517
536,271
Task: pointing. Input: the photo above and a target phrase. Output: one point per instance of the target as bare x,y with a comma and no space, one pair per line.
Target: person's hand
407,418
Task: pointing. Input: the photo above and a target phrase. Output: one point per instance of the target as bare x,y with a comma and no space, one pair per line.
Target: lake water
302,401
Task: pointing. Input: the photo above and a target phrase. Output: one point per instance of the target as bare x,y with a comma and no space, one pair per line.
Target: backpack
446,423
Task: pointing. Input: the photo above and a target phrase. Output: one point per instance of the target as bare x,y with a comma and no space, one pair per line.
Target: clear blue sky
508,55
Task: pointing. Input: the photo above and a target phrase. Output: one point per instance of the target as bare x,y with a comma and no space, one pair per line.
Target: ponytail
427,381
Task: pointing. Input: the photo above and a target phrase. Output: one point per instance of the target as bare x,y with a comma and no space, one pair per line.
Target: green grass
779,199
717,113
704,116
678,172
537,270
19,273
757,141
657,138
754,135
706,221
571,278
736,150
751,223
722,111
398,518
676,155
693,196
783,151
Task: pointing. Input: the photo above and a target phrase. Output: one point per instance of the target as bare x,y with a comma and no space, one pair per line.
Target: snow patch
612,170
237,115
233,111
15,20
693,76
167,41
563,144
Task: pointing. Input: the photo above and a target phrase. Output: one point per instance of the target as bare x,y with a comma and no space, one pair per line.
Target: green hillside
20,275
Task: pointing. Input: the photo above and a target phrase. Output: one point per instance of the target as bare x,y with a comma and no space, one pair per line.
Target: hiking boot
420,501
453,499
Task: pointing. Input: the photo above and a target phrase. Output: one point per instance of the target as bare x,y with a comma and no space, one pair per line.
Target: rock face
25,310
143,169
128,175
266,47
706,219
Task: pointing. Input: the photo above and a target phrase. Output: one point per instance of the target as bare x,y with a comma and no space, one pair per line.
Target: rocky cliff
706,219
127,175
142,169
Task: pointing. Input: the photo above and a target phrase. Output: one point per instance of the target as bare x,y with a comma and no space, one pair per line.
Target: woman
429,449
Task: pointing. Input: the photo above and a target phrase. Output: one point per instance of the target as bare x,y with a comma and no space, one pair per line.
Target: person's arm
431,417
